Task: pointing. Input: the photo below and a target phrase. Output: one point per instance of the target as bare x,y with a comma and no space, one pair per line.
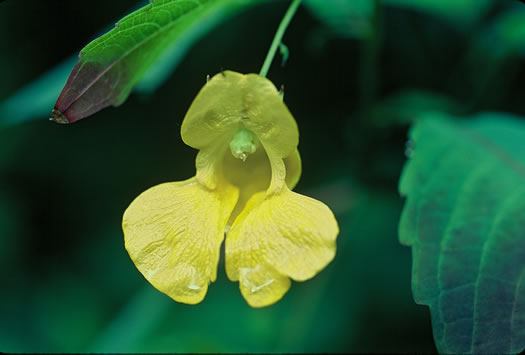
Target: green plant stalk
278,36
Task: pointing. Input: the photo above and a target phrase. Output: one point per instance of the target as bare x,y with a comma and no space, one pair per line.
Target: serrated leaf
43,91
464,218
110,66
156,74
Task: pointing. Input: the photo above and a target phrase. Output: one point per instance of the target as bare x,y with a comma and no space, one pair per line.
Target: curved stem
278,36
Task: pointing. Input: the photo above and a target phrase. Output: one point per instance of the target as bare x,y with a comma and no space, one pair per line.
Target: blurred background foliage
357,75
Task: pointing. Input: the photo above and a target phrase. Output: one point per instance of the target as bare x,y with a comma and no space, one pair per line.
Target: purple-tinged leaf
110,66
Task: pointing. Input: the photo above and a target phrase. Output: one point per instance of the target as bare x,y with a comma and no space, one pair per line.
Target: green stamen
243,144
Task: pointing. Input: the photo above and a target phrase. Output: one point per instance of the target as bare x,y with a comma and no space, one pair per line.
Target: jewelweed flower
246,166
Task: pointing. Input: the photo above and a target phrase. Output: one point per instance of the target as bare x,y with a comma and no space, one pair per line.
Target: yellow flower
246,167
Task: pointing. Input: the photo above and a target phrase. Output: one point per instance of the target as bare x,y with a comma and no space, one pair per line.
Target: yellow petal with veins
276,236
292,164
261,285
268,117
216,112
231,101
173,234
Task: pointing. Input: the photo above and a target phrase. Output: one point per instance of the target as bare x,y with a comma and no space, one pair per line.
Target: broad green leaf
464,218
43,91
110,66
171,57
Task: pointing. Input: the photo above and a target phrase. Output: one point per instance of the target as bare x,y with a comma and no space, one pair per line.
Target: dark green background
67,282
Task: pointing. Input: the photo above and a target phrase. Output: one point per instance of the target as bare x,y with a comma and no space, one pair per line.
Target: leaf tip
58,117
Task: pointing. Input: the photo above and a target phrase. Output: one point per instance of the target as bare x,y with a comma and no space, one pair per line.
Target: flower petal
216,112
287,234
250,176
268,117
230,101
254,175
292,164
261,285
173,234
208,164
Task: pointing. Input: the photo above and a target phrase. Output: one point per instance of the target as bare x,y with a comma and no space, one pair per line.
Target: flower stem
278,36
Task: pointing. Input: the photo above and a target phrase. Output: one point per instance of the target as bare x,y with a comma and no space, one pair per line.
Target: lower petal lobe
276,236
173,234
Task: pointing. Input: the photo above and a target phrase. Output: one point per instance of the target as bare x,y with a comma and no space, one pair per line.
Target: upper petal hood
230,101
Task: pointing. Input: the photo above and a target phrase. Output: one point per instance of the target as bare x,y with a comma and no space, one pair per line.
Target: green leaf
175,52
110,66
43,91
465,219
